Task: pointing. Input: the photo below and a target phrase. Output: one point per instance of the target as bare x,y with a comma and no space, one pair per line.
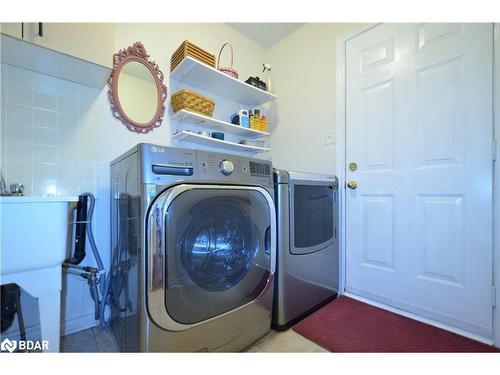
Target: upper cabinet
77,52
92,42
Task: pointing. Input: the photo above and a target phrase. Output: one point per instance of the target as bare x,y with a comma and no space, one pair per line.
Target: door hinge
493,296
494,149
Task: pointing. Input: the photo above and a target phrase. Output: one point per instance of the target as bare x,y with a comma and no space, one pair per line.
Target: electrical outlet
330,137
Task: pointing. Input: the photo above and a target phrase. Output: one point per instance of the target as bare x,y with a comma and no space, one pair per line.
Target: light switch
330,137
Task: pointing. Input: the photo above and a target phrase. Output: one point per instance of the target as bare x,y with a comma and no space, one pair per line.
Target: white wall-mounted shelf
205,77
186,136
197,119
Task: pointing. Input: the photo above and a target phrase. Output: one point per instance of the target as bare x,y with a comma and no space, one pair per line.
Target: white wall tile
88,94
44,118
68,139
44,154
68,89
19,95
67,105
3,92
16,114
85,108
45,84
45,101
67,122
12,151
3,106
19,77
45,136
44,187
84,155
86,185
19,172
49,135
88,141
17,133
3,72
90,125
67,157
43,171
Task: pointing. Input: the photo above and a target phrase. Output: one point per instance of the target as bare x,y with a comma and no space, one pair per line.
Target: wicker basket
258,124
189,49
192,101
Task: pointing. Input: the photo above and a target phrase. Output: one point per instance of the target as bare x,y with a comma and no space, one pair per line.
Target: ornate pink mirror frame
137,53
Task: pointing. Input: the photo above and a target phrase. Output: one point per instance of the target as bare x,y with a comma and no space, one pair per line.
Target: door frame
341,41
496,181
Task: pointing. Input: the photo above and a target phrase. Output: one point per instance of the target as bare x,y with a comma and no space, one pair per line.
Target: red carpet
347,325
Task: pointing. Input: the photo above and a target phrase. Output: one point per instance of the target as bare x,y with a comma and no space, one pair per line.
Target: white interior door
419,126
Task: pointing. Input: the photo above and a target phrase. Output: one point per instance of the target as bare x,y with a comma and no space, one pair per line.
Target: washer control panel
226,167
163,164
260,169
213,166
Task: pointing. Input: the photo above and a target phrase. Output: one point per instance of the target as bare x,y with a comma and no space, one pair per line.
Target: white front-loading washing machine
193,249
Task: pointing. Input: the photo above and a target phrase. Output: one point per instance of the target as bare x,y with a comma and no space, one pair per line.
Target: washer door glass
217,251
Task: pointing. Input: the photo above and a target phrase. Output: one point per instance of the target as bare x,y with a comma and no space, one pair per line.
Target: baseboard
78,323
431,322
32,333
73,325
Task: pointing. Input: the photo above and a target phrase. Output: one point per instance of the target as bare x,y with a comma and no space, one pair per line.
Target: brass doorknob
352,185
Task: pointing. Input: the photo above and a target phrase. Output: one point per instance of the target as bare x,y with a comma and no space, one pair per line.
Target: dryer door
213,250
312,215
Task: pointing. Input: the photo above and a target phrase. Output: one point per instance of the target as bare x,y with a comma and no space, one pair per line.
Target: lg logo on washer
8,345
157,149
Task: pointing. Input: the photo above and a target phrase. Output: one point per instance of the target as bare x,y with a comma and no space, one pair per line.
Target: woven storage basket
192,101
189,49
258,124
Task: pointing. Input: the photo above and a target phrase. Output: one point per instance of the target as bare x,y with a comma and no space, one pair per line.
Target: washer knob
226,167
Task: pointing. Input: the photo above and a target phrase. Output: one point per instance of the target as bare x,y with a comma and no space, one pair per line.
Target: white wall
92,124
303,73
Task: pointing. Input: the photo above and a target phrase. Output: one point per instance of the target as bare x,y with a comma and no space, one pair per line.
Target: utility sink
33,245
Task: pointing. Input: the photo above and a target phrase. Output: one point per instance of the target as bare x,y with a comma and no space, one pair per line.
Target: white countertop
31,199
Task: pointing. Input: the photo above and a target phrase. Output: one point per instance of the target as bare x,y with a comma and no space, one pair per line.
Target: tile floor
92,340
97,339
285,342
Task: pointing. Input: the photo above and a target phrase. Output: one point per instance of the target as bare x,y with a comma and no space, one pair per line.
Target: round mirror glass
137,92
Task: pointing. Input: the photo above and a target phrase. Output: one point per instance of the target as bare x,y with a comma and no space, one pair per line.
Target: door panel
438,112
378,246
419,125
442,246
378,125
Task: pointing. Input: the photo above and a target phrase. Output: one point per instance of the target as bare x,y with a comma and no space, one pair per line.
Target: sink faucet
15,189
3,186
